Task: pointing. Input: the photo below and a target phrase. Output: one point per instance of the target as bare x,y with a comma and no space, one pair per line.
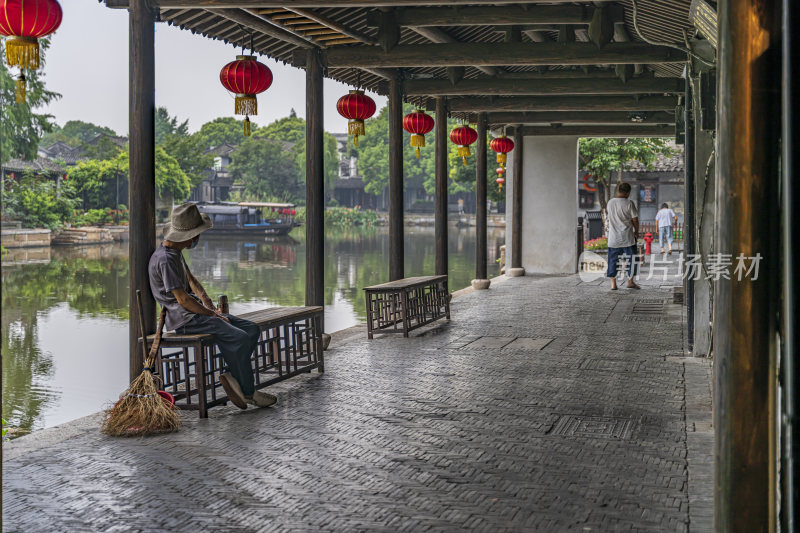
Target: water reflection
65,310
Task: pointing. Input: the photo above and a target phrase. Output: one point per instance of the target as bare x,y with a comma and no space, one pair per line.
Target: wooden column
396,251
516,228
746,311
315,183
440,187
141,188
480,200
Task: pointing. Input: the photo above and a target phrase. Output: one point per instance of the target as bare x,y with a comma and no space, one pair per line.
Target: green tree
21,128
38,202
75,133
97,182
293,129
266,170
602,156
222,130
188,150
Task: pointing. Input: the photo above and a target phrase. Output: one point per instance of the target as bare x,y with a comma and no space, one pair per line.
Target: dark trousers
615,256
236,341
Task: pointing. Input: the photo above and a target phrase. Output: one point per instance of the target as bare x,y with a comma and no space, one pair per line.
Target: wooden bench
406,304
290,344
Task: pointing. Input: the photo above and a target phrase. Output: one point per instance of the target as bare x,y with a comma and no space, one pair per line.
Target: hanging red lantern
502,145
246,78
500,179
463,136
418,123
356,107
24,22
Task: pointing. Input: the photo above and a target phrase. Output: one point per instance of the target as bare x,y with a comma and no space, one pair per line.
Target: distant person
191,311
623,230
460,206
665,218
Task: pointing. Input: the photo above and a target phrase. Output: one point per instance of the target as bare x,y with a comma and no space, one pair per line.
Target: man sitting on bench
191,311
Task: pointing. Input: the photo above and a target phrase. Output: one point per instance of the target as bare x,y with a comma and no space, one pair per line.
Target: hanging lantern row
502,145
418,123
463,136
24,22
246,78
500,179
356,107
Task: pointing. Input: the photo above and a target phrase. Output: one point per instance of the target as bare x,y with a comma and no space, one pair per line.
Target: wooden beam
438,36
315,183
141,161
481,177
543,87
490,15
559,74
289,4
261,25
396,243
581,117
564,103
488,54
440,188
601,131
335,25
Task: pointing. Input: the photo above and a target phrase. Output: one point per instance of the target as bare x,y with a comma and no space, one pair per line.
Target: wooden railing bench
406,304
189,366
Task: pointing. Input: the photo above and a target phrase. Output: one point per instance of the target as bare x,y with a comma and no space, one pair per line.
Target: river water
65,309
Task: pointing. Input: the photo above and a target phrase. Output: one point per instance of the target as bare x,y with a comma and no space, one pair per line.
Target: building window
218,163
585,199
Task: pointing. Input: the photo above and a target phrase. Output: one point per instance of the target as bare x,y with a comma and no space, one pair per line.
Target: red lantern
500,179
24,22
418,123
293,212
502,145
463,136
246,77
356,107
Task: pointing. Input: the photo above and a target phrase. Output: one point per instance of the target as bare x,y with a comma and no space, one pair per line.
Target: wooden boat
250,218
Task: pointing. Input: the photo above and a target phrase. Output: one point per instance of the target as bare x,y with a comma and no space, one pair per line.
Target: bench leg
404,311
200,368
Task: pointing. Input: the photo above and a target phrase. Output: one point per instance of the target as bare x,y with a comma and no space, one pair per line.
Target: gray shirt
167,270
621,213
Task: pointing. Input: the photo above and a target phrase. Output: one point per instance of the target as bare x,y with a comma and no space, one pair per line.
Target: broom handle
141,325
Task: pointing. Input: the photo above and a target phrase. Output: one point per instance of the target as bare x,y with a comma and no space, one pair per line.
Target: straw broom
141,410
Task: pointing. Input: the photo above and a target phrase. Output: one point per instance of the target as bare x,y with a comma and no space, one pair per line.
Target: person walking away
665,218
623,230
191,311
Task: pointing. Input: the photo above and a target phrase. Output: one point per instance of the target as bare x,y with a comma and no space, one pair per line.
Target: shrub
600,243
38,203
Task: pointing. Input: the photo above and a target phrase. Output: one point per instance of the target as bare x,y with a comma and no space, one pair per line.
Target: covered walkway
546,404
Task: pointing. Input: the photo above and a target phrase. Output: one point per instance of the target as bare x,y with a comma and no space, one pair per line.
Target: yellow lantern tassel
418,141
22,52
464,153
501,158
247,126
355,128
21,89
246,104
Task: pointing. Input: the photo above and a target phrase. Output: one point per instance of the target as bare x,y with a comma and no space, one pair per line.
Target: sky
88,64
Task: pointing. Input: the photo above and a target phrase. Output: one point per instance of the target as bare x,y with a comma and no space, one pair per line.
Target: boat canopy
265,204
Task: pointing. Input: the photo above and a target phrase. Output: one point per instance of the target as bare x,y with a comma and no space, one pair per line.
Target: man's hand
220,315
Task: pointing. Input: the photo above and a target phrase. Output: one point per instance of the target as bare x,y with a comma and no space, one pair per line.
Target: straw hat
186,223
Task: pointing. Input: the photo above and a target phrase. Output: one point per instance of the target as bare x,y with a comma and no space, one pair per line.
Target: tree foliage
38,202
20,127
222,130
266,170
602,156
188,150
75,133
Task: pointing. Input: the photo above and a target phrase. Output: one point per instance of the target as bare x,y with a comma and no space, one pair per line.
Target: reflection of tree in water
92,281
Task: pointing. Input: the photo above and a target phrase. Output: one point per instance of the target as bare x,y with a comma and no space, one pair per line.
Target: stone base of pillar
481,284
326,341
515,272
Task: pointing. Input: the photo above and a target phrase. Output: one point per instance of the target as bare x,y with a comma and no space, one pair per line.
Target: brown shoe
233,390
261,399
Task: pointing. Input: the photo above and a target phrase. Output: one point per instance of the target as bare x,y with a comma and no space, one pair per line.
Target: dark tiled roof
40,165
349,183
673,163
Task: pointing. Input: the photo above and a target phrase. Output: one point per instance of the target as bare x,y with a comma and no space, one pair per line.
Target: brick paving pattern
542,406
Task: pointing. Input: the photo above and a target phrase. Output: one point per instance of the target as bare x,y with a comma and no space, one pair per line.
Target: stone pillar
550,204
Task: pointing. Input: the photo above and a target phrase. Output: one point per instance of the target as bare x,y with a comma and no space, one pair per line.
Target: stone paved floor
547,404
